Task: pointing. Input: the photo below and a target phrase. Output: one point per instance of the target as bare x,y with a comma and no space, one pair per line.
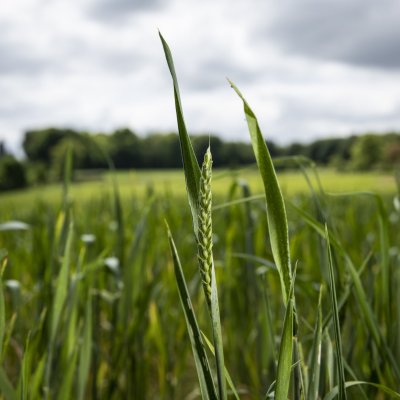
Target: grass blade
25,370
60,296
62,284
217,334
385,265
227,375
86,351
315,366
190,164
336,325
285,353
334,392
6,387
68,172
202,366
68,378
276,212
3,261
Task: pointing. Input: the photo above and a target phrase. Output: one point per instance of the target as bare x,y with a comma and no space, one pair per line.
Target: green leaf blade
315,367
190,164
276,212
285,354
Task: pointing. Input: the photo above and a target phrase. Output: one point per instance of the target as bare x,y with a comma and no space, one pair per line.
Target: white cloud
100,65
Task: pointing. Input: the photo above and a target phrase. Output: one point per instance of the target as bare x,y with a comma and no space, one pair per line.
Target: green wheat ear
205,256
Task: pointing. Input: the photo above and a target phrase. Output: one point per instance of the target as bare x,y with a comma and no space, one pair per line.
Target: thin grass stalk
338,340
316,350
3,262
201,361
58,305
284,368
392,393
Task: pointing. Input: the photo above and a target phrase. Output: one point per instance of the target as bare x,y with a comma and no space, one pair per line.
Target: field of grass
120,332
149,286
140,183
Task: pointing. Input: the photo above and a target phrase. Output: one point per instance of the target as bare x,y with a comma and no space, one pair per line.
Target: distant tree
60,151
321,151
98,146
200,144
296,149
274,149
391,151
124,148
344,147
236,154
12,173
37,173
161,151
3,151
366,153
38,144
391,154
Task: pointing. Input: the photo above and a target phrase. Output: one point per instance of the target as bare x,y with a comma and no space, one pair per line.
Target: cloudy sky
309,68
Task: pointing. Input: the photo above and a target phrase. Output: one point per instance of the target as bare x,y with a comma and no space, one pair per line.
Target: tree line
46,149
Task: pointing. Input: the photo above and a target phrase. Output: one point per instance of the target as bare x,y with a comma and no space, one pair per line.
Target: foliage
367,152
161,150
12,173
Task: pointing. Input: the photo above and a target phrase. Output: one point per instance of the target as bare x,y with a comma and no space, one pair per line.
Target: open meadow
137,183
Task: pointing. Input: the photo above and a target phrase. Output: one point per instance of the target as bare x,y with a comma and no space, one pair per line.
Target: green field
119,330
138,183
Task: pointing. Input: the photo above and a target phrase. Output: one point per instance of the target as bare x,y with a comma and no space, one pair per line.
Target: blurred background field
138,183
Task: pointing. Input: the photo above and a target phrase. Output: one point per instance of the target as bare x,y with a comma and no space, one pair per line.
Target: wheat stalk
205,256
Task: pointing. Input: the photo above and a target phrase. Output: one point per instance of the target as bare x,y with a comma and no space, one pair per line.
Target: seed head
205,256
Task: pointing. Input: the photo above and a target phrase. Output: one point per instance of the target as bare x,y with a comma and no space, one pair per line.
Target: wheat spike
205,256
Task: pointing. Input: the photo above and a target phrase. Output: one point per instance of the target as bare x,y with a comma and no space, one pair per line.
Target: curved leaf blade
276,212
190,164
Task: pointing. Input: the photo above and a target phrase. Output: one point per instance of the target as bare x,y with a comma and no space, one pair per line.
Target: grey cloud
360,32
303,120
211,72
115,10
17,58
312,110
71,55
207,74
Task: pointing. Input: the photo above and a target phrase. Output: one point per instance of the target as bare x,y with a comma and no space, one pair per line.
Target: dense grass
139,345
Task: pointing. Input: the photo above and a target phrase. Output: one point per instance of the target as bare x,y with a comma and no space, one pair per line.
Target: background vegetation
45,151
